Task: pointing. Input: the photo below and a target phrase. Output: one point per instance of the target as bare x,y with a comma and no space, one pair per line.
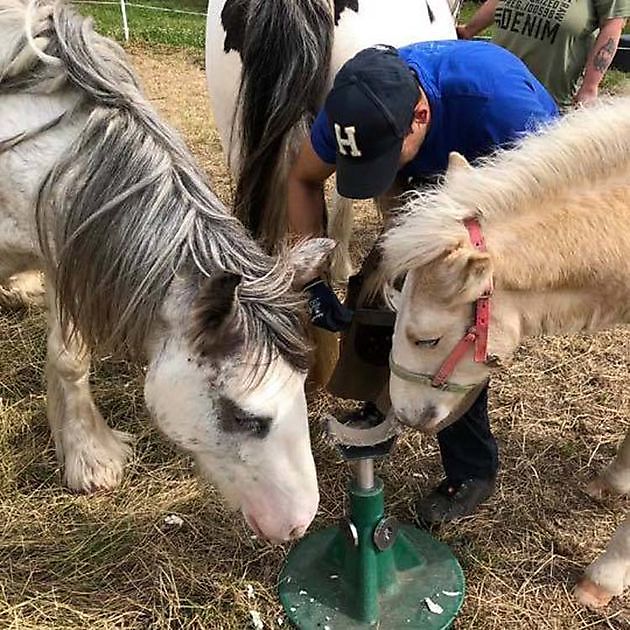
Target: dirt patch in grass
111,561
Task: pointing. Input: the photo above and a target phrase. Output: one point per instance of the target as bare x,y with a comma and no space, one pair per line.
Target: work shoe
450,501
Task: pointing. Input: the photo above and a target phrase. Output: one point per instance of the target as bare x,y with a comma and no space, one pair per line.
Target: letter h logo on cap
349,142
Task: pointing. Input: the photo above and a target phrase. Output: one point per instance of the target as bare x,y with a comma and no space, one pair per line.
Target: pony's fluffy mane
127,209
580,149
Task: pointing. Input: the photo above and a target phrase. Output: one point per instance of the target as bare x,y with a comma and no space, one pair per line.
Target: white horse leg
340,230
91,454
616,478
23,289
609,574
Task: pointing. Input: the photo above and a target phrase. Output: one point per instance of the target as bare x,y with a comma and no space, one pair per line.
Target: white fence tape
621,61
123,10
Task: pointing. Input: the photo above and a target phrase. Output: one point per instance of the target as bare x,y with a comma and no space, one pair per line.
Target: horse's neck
24,112
532,313
24,165
566,267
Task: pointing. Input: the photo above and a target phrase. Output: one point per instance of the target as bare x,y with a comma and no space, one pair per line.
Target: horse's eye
256,425
426,343
235,419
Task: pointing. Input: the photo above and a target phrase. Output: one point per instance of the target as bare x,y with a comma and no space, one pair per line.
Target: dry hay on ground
111,561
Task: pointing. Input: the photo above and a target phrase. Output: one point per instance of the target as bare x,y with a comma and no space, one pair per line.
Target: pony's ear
214,325
393,296
309,259
464,274
456,164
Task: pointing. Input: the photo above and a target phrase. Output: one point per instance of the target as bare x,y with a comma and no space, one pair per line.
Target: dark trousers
468,447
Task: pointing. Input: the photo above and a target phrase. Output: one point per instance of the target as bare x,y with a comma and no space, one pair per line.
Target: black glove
324,309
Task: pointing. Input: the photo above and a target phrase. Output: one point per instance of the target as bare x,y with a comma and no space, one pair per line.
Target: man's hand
325,309
463,32
586,94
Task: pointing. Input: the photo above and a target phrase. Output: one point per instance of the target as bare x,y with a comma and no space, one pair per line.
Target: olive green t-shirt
554,37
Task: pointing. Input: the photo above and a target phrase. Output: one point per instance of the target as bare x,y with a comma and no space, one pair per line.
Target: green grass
614,79
179,30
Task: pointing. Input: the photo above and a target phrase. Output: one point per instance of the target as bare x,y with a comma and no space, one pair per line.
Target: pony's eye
256,425
426,343
235,419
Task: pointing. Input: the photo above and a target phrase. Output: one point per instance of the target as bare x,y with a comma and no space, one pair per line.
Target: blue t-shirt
481,97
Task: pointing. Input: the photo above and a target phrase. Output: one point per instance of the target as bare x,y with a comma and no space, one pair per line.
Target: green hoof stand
371,573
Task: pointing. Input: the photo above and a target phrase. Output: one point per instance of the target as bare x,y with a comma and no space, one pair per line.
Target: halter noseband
476,335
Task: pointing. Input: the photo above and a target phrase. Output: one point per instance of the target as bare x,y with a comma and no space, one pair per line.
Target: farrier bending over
390,122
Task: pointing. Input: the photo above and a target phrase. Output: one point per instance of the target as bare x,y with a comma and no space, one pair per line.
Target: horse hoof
23,290
93,467
590,594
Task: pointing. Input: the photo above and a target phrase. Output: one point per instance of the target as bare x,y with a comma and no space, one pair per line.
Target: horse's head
226,383
435,310
447,338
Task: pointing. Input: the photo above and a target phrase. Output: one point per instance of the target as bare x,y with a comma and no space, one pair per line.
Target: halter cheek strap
456,355
482,306
476,336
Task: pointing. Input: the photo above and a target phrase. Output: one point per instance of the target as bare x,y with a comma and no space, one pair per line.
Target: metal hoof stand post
370,571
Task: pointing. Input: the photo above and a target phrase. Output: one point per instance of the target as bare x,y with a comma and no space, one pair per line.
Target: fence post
123,10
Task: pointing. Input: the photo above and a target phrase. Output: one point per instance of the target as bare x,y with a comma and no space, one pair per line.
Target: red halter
477,334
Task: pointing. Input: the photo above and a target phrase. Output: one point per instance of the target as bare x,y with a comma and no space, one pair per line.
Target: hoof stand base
342,577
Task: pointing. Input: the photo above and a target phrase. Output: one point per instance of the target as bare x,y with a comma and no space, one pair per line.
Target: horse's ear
214,325
456,161
456,164
309,259
465,273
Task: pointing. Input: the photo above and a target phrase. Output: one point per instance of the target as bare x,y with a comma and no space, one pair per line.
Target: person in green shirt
561,41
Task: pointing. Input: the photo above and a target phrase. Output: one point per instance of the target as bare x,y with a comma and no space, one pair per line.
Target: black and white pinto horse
142,258
269,66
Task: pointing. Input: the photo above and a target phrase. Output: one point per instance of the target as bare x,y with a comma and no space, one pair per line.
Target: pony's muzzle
429,421
418,419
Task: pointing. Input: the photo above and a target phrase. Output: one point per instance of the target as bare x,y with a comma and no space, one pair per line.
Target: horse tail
285,59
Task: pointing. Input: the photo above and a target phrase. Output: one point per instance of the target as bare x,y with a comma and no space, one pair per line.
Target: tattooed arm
599,58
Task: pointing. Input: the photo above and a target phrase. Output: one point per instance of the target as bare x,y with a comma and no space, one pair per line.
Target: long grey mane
127,209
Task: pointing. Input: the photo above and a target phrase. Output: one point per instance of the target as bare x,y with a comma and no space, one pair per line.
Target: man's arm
306,205
306,208
484,16
600,58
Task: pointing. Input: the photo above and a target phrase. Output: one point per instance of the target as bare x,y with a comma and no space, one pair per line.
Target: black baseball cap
370,110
